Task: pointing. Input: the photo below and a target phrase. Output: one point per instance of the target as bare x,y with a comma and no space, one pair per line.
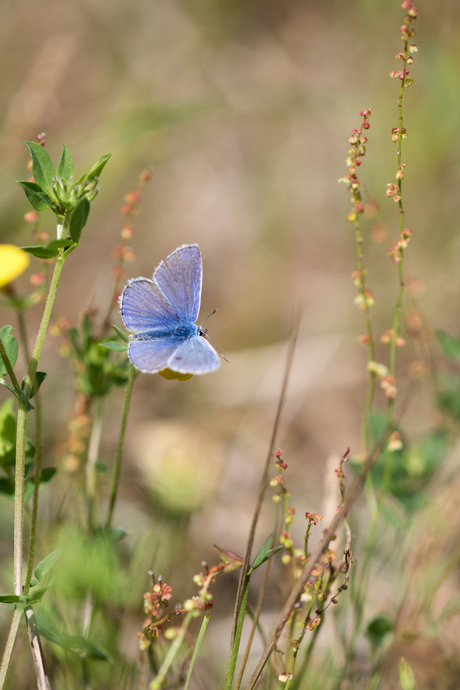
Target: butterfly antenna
211,314
205,335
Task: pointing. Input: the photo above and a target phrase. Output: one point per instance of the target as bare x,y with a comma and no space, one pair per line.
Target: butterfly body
162,311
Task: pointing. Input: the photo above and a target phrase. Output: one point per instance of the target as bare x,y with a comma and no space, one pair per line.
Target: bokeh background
243,109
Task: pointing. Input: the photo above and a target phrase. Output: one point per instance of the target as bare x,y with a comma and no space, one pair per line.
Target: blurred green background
243,109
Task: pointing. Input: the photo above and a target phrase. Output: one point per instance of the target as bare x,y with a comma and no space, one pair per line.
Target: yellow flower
13,262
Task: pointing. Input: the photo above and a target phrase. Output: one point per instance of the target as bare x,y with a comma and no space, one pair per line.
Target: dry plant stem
353,494
41,671
196,649
118,454
263,486
91,471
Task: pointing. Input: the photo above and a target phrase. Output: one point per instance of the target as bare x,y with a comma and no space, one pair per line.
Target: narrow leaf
113,345
119,332
78,219
449,345
43,568
7,385
66,167
46,474
40,376
9,598
11,346
98,167
42,165
6,487
50,250
259,559
33,193
269,554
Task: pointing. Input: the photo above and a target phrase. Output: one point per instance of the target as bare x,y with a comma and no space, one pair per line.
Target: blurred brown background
243,109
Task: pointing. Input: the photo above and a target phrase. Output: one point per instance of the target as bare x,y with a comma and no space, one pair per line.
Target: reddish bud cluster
357,150
388,336
389,386
313,518
397,251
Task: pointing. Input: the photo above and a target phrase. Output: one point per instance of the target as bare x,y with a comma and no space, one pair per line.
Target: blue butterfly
162,311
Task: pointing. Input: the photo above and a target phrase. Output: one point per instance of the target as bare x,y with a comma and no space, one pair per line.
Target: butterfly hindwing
152,356
195,356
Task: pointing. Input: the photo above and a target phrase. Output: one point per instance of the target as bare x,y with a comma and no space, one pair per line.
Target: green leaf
7,435
118,534
7,423
78,219
113,345
10,388
50,250
72,334
46,474
11,346
449,345
378,628
98,167
6,487
34,194
37,595
40,376
9,598
261,556
42,166
43,568
86,334
66,167
119,332
77,644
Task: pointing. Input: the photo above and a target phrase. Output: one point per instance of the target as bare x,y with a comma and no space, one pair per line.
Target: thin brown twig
353,494
263,483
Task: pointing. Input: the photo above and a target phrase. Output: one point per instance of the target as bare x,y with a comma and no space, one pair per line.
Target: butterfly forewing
180,277
144,308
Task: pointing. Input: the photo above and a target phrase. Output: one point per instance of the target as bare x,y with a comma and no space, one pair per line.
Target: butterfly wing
194,356
179,278
152,356
143,307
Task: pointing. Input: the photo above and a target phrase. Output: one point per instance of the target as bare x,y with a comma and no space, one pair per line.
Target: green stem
370,338
21,428
118,454
196,650
20,455
157,682
238,631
